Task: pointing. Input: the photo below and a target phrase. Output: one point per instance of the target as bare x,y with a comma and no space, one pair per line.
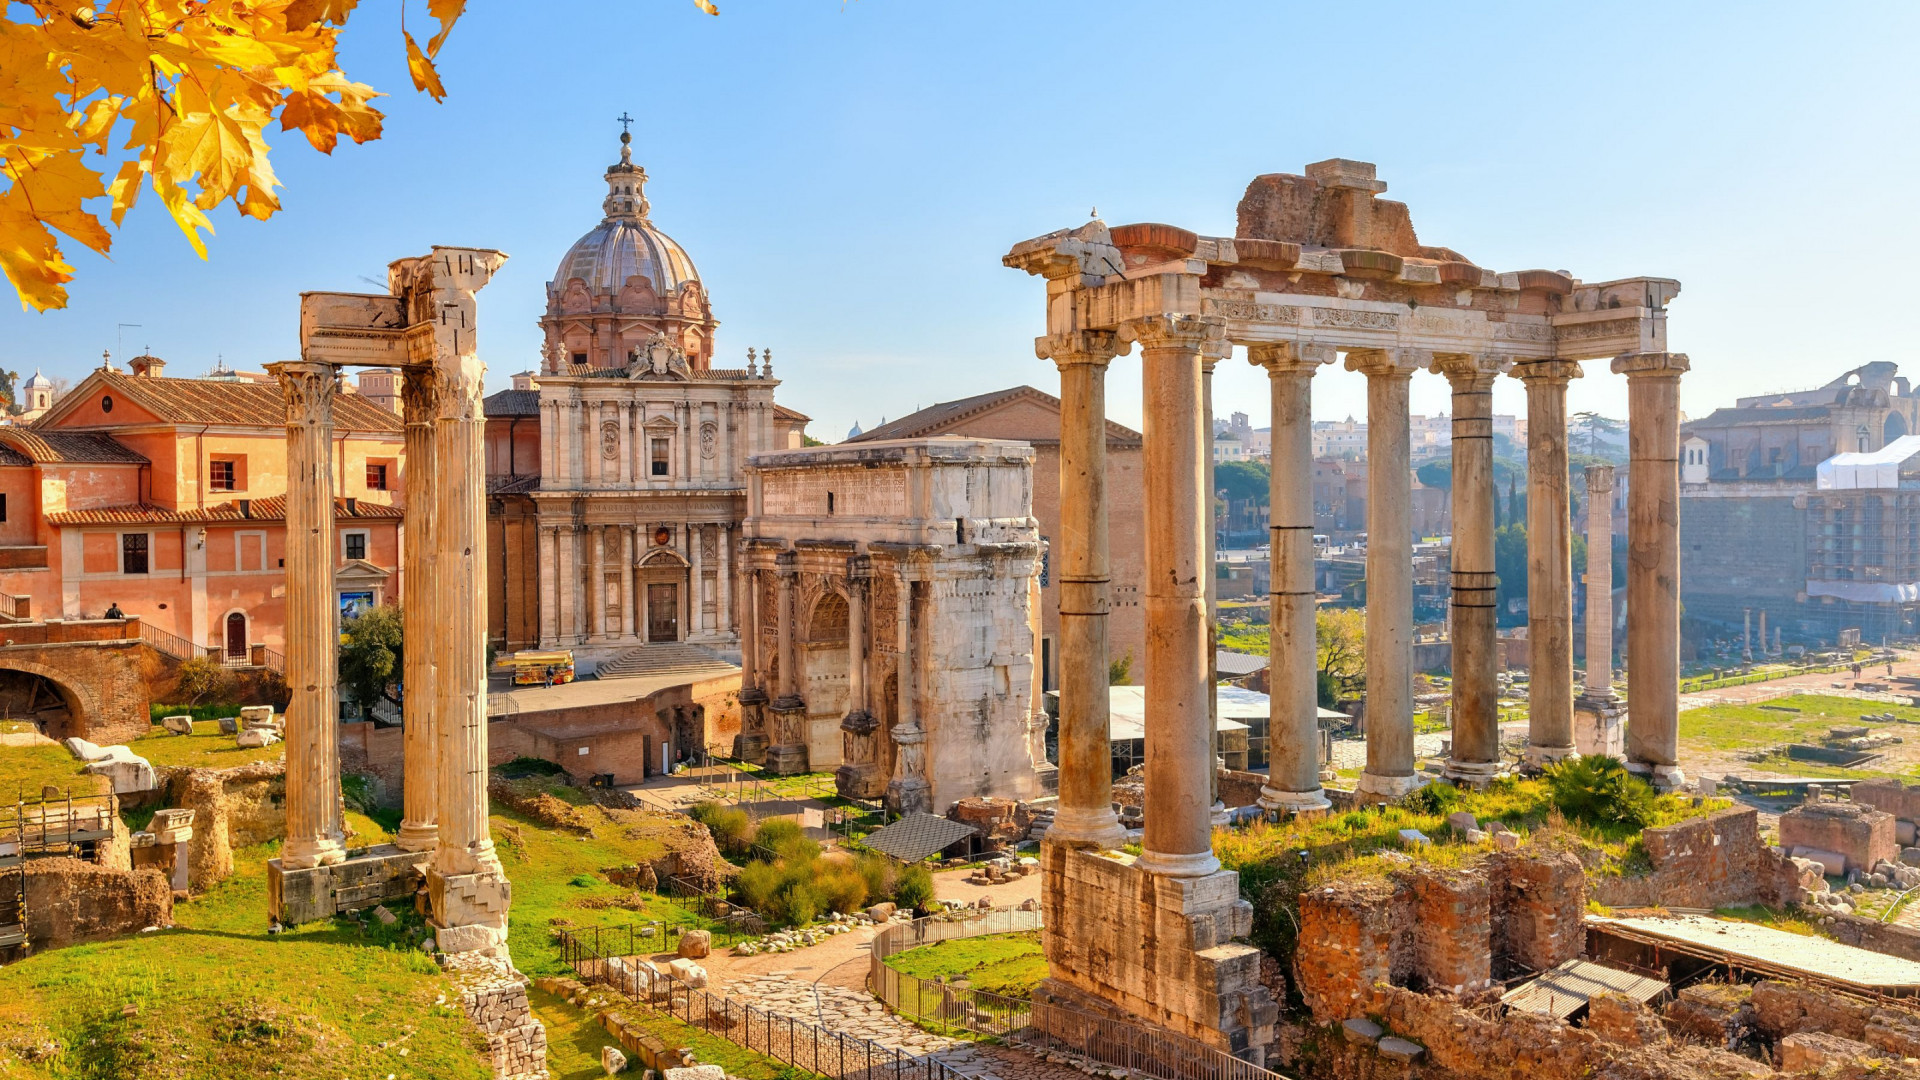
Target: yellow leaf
185,214
32,262
125,189
51,189
425,77
706,6
448,12
304,13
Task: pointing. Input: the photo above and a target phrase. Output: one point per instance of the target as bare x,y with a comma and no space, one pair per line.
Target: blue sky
847,176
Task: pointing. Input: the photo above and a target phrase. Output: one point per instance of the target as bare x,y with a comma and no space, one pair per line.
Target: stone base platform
1600,726
1153,947
382,874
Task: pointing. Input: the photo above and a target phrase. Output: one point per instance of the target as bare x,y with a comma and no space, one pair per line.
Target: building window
580,359
3,506
376,476
133,553
220,475
659,457
356,545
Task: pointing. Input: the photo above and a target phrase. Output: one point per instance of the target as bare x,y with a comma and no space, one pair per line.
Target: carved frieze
1351,319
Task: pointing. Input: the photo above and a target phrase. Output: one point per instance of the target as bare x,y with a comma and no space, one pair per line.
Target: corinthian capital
308,389
1291,357
1548,371
419,395
1469,372
1170,331
1080,347
1669,365
1388,363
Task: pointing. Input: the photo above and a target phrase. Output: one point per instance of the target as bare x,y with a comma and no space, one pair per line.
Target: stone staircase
1042,821
677,659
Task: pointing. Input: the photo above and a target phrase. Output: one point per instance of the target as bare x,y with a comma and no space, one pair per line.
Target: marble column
787,715
1746,636
596,582
550,581
420,793
629,611
566,576
1178,841
1475,756
909,791
724,604
789,692
1653,563
1293,727
1599,680
696,581
468,893
1213,349
1764,651
751,745
1389,650
1549,562
1085,816
859,775
316,833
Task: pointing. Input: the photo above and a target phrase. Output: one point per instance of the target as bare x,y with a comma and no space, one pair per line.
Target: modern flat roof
1761,947
1566,989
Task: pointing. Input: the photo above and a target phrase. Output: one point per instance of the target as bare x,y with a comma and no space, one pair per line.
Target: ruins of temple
1319,267
892,619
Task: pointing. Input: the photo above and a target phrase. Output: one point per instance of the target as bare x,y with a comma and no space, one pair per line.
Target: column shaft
789,676
750,631
856,646
629,610
1653,562
596,582
1549,563
909,789
1179,834
315,830
1389,648
723,604
1293,728
1599,680
549,588
1474,631
1085,814
696,581
420,794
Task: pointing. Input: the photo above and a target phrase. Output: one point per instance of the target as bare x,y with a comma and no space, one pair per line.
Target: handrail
172,644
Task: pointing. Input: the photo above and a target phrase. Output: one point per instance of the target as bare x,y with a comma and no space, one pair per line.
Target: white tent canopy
1127,709
1876,469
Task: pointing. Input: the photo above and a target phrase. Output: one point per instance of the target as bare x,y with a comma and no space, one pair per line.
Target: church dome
625,244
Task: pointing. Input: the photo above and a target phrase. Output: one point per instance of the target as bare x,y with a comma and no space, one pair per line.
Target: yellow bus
532,668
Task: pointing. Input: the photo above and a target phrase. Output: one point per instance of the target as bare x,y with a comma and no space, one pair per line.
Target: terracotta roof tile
512,403
944,418
266,510
55,445
248,404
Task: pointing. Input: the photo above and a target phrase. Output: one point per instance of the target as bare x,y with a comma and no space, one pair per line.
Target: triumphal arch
1319,268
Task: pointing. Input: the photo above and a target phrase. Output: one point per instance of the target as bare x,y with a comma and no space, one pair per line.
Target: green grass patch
1766,916
156,713
1007,964
1740,727
574,1039
24,770
206,748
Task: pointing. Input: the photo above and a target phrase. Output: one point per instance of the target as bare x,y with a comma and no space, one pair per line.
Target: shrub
784,838
842,889
204,678
757,886
915,888
732,829
1439,799
880,873
1599,791
797,904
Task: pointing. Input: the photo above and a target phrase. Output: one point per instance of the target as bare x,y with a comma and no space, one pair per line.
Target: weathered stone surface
256,738
1714,1013
1397,1049
1812,1050
1859,832
612,1059
696,1072
1619,1018
880,912
695,944
1715,861
1361,1030
688,972
179,725
126,771
69,901
383,873
1539,907
1451,929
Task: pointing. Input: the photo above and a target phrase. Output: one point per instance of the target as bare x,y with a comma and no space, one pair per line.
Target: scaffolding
56,824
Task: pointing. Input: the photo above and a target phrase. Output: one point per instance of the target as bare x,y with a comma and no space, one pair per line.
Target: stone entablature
892,618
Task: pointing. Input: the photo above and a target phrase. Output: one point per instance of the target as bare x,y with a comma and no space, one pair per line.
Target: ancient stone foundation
1715,861
70,901
1155,946
382,875
495,999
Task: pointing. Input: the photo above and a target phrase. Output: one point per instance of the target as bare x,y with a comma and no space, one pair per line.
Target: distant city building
1805,506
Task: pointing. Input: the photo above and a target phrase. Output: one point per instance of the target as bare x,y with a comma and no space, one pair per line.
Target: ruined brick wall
1240,788
1539,907
1715,861
1859,832
1874,935
1450,912
71,901
1345,945
1890,796
104,683
494,997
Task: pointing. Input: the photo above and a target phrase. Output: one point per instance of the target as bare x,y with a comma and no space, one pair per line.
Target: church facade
616,472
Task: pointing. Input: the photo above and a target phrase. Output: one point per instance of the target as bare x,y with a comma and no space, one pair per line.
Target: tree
1510,566
203,679
186,89
1436,474
372,657
1120,672
1597,428
1242,481
1340,650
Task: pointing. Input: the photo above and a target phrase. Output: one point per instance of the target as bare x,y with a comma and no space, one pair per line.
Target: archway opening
824,672
1894,428
53,710
236,636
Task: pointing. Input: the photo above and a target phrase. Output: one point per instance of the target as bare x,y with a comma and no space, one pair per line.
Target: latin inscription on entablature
1246,309
1523,331
1352,319
1627,328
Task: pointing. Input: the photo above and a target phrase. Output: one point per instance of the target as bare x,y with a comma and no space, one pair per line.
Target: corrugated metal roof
917,836
1566,989
1234,664
1762,947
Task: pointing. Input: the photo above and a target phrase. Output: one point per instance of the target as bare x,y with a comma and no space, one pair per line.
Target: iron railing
784,1038
171,644
1131,1044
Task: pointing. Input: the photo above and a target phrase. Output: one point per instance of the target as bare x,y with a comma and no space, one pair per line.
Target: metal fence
734,920
783,1038
1128,1044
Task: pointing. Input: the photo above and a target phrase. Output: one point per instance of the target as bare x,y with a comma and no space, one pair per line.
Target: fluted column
696,580
1179,836
468,894
1599,681
1549,562
1085,816
315,832
1293,698
1214,348
1389,649
1475,635
789,692
1653,562
750,633
1746,629
858,775
596,582
566,572
723,605
629,610
909,790
420,794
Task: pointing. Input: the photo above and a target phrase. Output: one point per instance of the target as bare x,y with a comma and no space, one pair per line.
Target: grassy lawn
24,769
205,748
574,1039
1739,727
1006,964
